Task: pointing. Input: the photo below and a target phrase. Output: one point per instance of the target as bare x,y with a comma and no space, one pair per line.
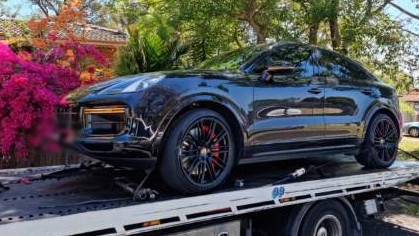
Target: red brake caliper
216,148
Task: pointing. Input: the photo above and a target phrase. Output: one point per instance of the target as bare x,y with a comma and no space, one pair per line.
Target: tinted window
333,65
289,61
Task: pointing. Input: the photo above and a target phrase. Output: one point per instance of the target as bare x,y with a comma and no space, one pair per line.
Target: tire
414,132
199,152
380,146
328,218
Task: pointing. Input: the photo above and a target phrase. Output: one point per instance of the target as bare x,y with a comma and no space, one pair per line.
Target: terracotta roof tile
15,28
412,96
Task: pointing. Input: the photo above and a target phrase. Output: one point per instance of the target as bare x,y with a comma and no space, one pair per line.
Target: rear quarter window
332,64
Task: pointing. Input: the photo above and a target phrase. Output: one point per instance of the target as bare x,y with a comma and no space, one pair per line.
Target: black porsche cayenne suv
256,104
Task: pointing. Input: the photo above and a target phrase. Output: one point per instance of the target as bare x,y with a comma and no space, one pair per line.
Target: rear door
348,95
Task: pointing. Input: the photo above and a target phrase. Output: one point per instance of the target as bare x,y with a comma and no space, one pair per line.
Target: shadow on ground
380,228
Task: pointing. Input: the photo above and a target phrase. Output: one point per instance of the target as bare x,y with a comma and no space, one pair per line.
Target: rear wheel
381,142
414,132
327,217
199,153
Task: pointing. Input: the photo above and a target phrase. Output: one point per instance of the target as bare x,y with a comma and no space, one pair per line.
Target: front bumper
117,153
121,151
114,134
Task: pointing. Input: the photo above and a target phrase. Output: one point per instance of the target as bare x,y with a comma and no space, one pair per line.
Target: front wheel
381,143
199,153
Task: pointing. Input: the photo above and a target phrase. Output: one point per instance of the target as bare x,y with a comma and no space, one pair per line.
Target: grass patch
411,209
410,145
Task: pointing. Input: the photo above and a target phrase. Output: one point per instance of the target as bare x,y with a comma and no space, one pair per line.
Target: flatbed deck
89,203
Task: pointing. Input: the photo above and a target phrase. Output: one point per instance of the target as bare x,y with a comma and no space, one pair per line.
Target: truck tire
328,218
379,149
306,219
199,152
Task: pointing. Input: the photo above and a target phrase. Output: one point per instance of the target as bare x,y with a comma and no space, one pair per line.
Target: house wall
411,117
40,158
416,78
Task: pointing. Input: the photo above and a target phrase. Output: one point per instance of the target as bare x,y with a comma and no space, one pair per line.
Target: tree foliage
362,29
155,50
62,33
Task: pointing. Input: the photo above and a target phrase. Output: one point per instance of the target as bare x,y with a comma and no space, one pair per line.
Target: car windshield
233,60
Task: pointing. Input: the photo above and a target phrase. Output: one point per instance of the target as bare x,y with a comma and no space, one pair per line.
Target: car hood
102,87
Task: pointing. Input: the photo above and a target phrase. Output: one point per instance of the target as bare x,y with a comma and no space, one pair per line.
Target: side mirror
269,72
266,76
281,69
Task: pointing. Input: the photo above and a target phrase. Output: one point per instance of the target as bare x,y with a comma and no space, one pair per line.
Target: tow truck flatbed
89,204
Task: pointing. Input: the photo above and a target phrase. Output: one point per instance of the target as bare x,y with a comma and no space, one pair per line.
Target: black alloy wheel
204,151
199,153
385,139
381,143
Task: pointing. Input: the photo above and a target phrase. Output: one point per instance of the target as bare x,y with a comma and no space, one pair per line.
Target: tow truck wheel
414,132
327,218
199,152
381,141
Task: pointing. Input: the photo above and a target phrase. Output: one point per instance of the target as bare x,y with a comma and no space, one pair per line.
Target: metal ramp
87,205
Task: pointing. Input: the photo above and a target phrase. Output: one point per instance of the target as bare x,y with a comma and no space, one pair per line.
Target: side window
289,62
335,68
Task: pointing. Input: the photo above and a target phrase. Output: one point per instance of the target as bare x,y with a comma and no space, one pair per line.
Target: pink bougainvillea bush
31,87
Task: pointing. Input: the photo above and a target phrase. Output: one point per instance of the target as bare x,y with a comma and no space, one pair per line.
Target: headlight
133,85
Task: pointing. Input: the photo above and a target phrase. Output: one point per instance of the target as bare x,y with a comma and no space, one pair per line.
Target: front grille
97,147
104,120
68,118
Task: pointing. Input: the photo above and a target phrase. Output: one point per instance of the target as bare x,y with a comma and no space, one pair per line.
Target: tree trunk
261,36
345,46
260,30
335,34
249,16
261,39
334,25
312,37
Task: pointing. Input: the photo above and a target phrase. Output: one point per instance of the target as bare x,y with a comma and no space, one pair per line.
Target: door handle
367,91
315,90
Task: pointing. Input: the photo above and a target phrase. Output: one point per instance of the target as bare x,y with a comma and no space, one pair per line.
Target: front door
287,109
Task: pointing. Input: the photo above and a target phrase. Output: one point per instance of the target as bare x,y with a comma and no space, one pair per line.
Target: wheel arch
221,105
381,110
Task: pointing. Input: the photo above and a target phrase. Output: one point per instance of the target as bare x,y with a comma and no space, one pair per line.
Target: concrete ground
376,227
394,221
